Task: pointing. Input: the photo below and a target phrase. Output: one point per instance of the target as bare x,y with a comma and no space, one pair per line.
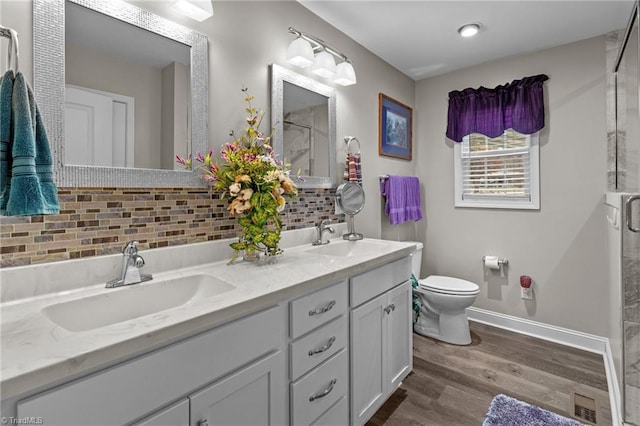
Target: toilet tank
416,259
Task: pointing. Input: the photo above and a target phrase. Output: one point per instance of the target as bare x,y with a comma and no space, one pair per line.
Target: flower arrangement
254,181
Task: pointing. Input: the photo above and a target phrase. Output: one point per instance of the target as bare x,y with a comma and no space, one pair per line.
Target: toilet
444,301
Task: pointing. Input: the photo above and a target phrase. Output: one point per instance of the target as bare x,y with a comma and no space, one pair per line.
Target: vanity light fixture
469,30
309,51
198,10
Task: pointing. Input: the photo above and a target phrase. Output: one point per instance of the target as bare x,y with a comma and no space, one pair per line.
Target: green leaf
239,245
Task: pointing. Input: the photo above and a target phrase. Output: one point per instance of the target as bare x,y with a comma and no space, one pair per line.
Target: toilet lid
442,284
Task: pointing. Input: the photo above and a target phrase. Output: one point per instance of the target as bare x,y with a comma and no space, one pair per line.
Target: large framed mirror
122,91
303,118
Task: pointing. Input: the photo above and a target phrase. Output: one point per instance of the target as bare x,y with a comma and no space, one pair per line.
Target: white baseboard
563,336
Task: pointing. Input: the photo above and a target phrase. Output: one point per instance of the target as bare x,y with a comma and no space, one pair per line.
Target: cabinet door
368,323
400,336
175,415
254,395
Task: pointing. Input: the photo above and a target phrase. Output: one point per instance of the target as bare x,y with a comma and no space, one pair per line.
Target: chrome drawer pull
312,352
322,310
324,392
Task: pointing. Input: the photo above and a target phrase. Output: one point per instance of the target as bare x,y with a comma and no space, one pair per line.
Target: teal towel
32,191
6,135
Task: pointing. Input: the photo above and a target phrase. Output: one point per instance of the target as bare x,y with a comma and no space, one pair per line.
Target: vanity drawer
336,415
317,346
316,392
315,309
376,281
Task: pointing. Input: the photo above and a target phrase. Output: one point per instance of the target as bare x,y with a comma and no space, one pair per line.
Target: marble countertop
37,354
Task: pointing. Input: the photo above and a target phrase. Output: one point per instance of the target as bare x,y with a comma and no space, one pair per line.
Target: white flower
272,176
234,189
268,159
246,194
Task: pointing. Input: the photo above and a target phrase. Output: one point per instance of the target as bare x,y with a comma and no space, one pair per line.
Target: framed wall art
395,135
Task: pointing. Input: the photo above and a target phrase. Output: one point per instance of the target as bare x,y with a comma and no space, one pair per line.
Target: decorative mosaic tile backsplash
99,221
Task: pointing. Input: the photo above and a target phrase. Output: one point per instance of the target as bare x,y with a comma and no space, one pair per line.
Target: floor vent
584,408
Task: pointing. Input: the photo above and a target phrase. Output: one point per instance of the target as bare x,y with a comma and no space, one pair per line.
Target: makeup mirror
121,91
303,118
350,199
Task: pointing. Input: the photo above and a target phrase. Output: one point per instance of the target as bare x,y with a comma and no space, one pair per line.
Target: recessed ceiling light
469,30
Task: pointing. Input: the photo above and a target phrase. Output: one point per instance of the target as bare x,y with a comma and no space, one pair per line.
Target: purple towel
403,198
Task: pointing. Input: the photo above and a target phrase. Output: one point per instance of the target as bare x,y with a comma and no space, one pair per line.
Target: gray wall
563,245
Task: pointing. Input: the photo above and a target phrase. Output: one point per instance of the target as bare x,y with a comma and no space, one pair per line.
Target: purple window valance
518,105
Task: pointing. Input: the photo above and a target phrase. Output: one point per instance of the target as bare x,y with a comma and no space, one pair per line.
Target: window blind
496,168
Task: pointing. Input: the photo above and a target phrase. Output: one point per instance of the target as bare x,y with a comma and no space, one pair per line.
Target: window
497,172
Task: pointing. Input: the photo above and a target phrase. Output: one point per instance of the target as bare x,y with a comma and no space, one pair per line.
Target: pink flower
207,159
186,162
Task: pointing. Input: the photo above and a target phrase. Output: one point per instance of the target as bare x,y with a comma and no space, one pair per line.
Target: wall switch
526,293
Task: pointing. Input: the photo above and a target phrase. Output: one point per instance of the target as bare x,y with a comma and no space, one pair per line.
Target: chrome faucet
131,264
321,228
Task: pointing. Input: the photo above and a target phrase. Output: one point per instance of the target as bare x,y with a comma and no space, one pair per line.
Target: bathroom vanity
322,337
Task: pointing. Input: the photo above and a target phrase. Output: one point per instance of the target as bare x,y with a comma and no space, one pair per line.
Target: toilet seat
449,285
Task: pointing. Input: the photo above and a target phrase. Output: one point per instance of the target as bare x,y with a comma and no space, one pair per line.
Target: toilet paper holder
501,260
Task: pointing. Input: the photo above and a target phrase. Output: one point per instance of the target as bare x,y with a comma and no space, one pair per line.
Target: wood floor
453,385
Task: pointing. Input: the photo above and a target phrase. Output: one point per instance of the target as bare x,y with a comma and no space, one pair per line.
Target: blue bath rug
507,411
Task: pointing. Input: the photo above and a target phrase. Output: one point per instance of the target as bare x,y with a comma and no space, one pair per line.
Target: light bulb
300,53
345,74
325,65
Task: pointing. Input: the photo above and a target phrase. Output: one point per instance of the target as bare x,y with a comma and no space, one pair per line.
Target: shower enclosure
624,219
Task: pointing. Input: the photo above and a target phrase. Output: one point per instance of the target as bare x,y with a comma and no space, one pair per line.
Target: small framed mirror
303,118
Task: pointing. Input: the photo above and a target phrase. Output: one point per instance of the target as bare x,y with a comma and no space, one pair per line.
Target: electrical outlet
526,293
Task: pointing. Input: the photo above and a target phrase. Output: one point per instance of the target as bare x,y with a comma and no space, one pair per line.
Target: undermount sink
343,248
137,300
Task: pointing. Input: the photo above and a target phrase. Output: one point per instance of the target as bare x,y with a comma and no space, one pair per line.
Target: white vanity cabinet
381,339
237,365
327,356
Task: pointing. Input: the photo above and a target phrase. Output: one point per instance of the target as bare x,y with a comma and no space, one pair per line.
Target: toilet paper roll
492,262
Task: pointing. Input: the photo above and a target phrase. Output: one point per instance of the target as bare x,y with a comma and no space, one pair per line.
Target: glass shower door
630,229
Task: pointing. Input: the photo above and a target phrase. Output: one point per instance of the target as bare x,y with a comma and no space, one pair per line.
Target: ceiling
420,37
